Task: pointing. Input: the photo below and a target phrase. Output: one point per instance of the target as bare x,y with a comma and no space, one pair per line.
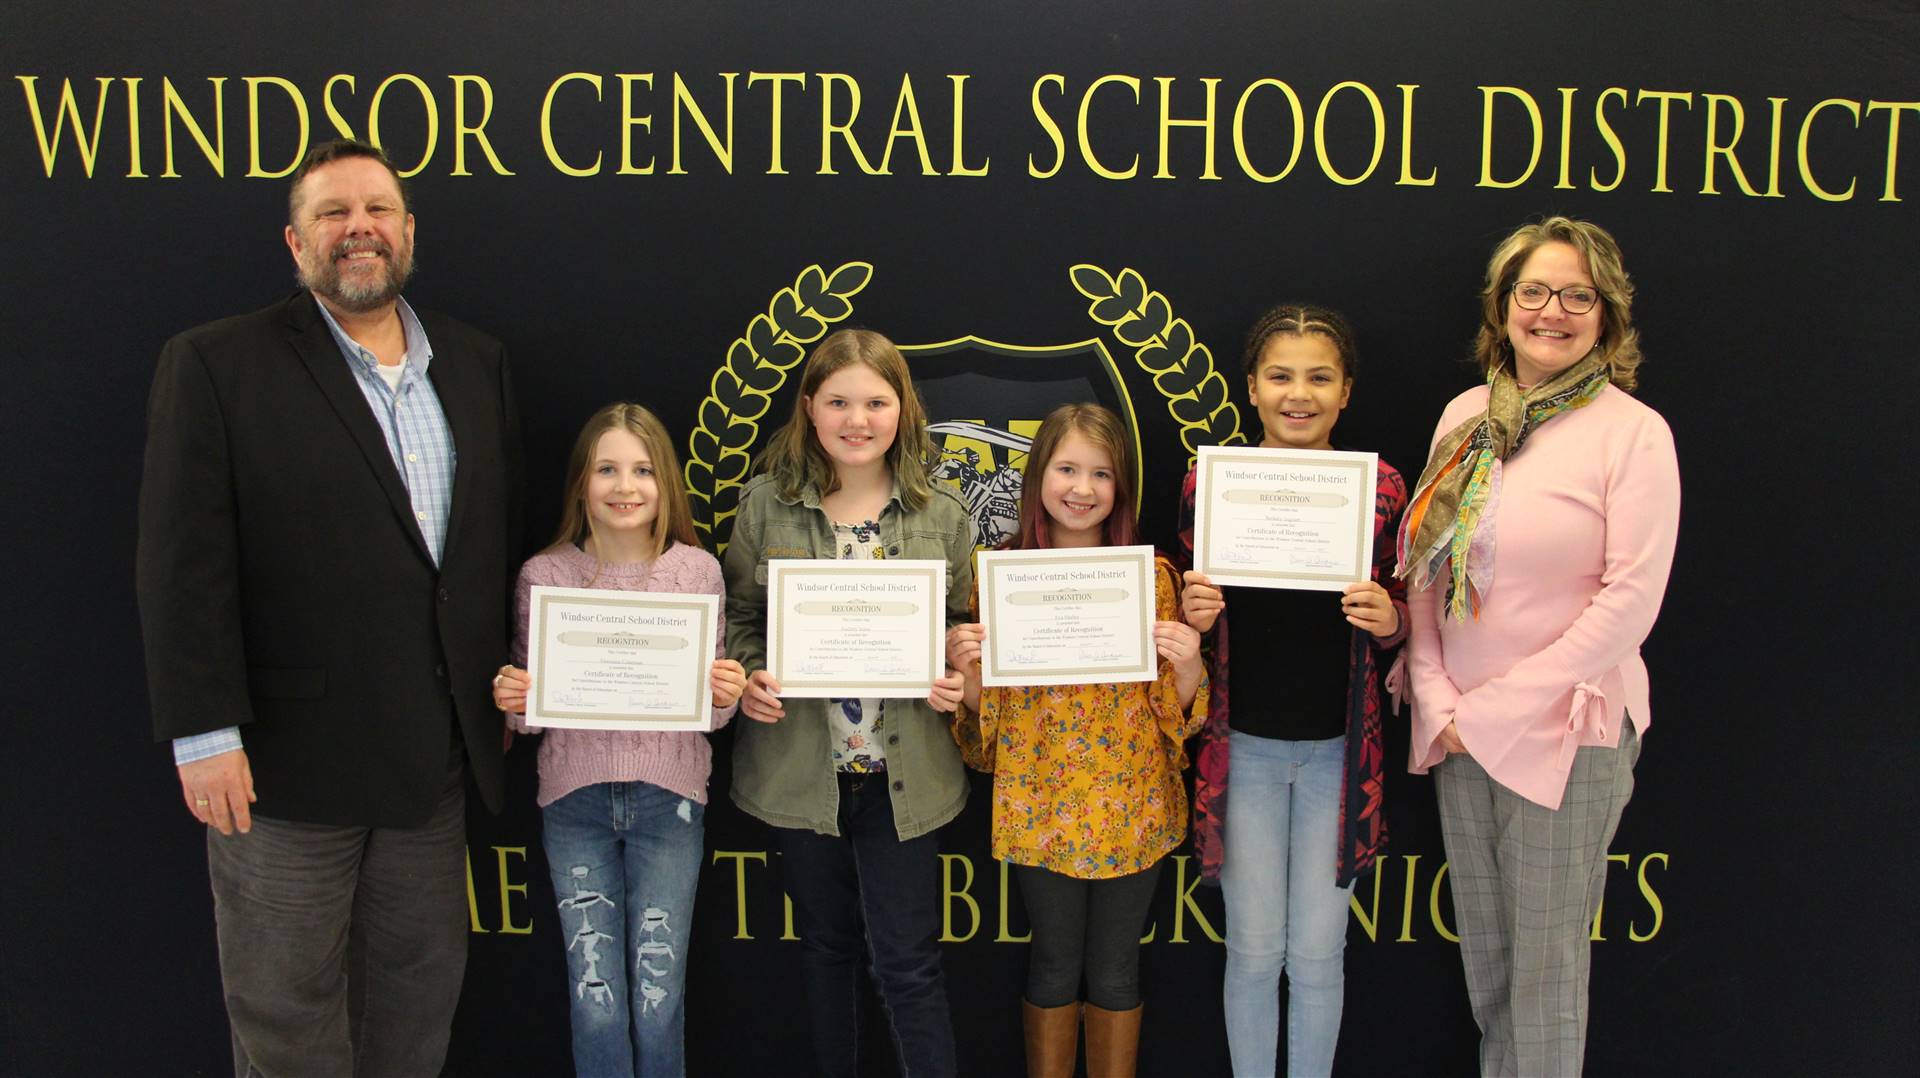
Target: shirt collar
809,495
419,350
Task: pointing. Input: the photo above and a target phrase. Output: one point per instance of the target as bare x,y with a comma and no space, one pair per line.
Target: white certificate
1066,617
1284,518
856,628
621,660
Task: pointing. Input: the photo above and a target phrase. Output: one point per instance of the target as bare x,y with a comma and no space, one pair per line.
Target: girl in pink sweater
622,812
1530,696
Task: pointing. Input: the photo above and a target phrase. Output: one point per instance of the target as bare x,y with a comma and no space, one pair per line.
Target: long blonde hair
674,521
795,458
1619,341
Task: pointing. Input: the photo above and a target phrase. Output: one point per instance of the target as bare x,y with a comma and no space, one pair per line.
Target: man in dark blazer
329,518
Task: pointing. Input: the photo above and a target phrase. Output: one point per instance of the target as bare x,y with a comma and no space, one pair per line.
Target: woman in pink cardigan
1538,542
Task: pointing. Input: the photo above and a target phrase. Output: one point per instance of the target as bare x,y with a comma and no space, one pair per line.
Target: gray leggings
1085,926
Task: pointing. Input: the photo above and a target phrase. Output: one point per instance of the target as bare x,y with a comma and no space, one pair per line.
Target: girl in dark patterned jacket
1301,727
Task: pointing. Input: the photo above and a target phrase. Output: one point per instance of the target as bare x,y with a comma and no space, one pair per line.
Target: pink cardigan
1589,509
679,761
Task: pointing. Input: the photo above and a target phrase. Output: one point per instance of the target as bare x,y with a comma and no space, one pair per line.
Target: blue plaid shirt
422,446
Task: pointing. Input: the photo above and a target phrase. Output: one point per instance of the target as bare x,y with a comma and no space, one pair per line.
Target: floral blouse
858,724
1086,778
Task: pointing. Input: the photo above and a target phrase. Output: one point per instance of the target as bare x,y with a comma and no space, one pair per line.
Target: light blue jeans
1283,910
625,858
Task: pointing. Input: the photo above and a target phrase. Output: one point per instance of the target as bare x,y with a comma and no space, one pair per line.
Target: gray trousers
342,948
1526,881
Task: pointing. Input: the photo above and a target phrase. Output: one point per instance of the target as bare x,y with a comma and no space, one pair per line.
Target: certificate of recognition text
1067,617
1284,518
856,628
621,660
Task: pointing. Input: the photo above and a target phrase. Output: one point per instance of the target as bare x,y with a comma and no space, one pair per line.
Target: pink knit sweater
1589,509
569,759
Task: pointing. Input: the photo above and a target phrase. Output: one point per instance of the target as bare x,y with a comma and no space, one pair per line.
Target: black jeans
867,879
1090,926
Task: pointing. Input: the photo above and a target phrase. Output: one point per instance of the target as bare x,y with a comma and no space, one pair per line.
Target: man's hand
218,790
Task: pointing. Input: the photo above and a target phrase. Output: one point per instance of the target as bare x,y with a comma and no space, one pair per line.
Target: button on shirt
408,411
410,418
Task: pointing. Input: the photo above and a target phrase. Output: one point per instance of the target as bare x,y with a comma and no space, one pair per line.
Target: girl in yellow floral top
1087,797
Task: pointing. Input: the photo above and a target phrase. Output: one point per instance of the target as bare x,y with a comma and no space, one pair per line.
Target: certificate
1065,617
856,628
1284,518
621,660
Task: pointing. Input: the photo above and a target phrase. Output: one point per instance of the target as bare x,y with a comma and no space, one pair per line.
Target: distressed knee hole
587,938
654,955
651,997
654,919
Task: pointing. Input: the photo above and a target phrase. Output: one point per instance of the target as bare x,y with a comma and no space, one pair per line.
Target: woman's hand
1449,740
1368,606
963,646
728,680
510,687
947,691
1200,602
761,700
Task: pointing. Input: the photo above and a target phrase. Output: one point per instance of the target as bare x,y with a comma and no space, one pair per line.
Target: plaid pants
1526,881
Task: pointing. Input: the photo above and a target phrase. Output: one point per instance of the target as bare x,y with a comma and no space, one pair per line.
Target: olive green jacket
783,771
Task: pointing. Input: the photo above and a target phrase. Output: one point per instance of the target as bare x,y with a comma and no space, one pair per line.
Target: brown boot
1113,1042
1053,1039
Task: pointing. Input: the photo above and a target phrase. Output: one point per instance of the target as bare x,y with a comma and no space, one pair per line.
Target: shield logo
986,400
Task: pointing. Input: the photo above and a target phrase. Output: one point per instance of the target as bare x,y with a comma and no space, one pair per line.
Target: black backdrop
1759,919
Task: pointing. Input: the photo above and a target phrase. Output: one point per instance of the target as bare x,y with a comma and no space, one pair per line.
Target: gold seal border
1164,346
719,450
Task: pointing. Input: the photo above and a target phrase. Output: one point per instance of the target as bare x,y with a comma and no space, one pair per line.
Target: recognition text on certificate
1281,518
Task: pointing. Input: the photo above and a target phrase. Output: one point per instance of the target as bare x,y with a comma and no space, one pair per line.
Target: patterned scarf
1452,514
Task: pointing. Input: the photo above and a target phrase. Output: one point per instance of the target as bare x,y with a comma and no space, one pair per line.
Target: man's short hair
335,150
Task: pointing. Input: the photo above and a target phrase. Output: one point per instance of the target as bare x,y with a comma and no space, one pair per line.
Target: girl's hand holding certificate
761,698
963,646
1201,602
728,680
1367,605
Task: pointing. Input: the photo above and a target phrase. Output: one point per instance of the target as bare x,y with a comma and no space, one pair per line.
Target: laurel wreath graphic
719,451
1164,347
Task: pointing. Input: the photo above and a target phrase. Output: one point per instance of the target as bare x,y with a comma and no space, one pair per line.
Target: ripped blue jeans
625,858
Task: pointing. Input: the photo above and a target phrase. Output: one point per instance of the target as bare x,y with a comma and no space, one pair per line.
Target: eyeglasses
1574,299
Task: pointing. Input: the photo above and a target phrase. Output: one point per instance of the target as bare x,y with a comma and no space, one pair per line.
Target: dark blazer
285,587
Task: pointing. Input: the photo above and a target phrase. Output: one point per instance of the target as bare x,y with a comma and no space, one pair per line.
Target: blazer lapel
309,336
452,380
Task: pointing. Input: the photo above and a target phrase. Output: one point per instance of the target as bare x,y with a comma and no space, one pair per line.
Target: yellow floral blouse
1086,778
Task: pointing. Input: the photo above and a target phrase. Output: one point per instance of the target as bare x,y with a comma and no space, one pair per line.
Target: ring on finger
202,802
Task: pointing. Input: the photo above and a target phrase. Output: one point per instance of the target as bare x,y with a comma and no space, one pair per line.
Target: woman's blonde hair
795,457
1619,343
673,523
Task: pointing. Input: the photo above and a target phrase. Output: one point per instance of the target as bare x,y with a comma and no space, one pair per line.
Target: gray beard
325,281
